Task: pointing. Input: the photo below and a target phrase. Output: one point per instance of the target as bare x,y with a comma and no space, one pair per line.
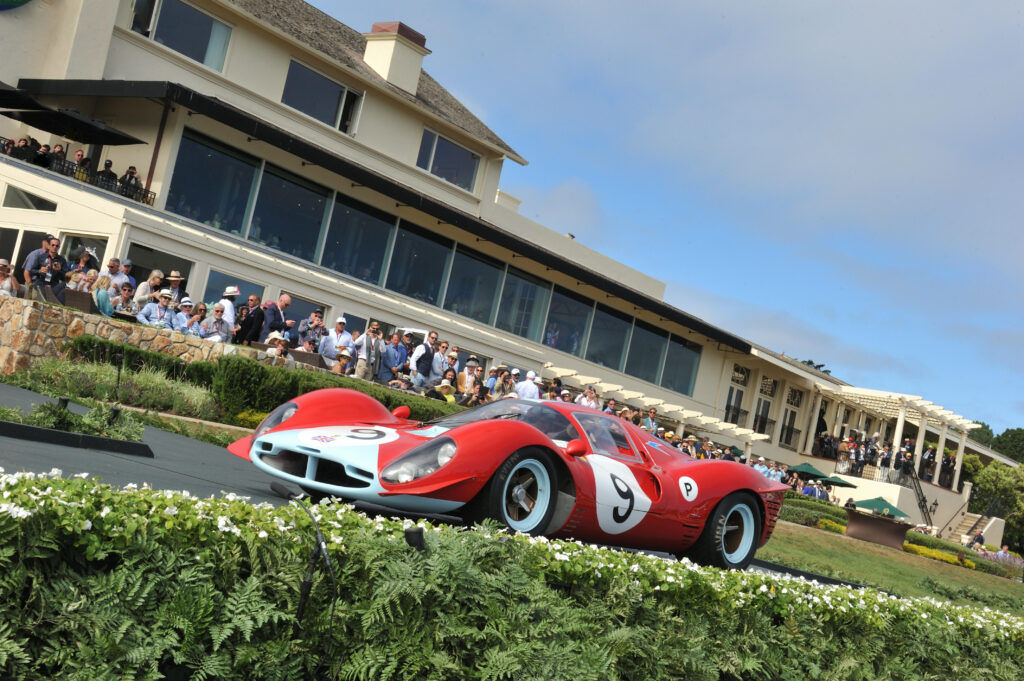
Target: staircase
966,523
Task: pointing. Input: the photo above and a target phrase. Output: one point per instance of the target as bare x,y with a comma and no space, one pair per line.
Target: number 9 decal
621,503
347,436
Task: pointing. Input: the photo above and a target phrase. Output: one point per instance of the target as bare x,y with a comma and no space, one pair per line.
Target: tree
1005,486
1010,443
983,435
970,467
816,367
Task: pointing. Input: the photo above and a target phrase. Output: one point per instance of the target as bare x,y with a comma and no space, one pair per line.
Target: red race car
539,467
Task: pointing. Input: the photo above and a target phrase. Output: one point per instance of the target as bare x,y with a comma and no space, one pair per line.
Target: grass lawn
897,572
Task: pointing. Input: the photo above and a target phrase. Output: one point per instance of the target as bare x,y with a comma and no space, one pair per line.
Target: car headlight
276,418
419,462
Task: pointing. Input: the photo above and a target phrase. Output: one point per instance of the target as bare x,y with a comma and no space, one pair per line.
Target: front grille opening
334,473
292,463
266,446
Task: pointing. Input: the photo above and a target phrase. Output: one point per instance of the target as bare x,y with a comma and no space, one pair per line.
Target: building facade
281,151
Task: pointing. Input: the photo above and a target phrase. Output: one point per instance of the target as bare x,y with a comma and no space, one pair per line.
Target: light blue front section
351,453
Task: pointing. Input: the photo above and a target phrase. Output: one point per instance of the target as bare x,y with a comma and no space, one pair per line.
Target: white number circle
621,503
688,486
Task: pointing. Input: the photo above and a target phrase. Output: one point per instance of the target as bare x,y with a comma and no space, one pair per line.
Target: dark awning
257,128
73,125
13,98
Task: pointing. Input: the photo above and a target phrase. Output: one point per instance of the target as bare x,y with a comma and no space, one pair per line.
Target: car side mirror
576,447
401,412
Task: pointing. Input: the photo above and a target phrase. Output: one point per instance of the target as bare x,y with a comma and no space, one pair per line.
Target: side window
607,435
551,423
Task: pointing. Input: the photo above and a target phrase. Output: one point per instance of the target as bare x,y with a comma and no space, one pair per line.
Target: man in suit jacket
252,326
391,359
274,318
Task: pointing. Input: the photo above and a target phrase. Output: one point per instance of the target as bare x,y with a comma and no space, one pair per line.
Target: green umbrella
806,470
836,482
881,505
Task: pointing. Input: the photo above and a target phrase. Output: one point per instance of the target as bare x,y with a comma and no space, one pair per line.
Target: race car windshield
544,419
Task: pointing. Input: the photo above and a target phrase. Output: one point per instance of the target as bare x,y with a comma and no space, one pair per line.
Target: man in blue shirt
158,314
391,359
44,266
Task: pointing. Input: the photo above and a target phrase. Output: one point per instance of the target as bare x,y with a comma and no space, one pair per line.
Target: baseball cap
760,458
531,375
108,163
126,263
340,320
515,371
566,392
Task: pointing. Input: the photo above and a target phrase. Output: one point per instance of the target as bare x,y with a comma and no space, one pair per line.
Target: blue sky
836,181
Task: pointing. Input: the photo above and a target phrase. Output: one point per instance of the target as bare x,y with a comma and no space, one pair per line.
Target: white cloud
570,206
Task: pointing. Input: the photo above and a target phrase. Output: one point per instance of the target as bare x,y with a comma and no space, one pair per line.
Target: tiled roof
322,33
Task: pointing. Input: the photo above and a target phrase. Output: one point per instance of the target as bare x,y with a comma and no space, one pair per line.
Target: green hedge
822,509
98,421
982,563
100,583
244,385
95,349
241,384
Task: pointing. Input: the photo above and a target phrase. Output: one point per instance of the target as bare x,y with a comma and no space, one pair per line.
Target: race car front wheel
731,534
523,490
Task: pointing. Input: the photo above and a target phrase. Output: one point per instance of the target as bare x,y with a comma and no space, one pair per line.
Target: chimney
396,52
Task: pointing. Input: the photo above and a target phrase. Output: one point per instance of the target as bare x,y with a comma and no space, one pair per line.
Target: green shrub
826,509
936,554
241,384
101,583
251,419
98,421
95,349
831,526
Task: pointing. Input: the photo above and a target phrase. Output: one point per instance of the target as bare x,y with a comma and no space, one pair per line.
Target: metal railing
764,426
736,416
789,438
62,166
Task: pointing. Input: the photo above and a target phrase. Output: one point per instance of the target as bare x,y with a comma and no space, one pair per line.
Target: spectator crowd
79,166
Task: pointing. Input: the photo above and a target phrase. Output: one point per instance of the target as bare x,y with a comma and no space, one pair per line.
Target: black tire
731,534
523,491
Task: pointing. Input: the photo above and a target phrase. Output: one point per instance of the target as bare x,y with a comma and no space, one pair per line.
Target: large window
524,302
357,240
15,197
418,263
300,309
319,97
608,337
447,160
681,364
212,183
289,214
218,282
473,285
30,241
646,348
8,240
194,34
568,321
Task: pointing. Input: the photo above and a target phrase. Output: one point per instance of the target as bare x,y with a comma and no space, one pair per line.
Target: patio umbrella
836,482
806,470
881,505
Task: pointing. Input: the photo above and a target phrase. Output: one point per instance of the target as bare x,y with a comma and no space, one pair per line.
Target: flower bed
103,582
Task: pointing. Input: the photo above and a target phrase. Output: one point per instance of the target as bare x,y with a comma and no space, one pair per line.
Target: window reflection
447,160
524,300
608,337
418,263
646,348
568,320
289,214
357,239
217,282
473,285
300,309
192,33
681,364
312,94
212,183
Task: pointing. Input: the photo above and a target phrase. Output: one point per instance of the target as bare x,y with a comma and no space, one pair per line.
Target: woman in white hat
8,284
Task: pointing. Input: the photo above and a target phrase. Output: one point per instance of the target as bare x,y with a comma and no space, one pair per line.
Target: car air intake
334,473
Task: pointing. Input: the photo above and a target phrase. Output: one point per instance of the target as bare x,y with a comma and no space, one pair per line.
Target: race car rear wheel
731,534
523,490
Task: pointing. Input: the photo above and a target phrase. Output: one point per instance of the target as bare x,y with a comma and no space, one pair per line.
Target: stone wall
30,329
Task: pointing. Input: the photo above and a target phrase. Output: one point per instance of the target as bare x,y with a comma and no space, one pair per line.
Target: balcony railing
62,166
789,438
736,416
764,426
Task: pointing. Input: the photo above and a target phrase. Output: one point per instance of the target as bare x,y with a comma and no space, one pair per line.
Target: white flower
55,473
80,476
561,556
87,525
171,510
262,534
131,485
15,511
105,511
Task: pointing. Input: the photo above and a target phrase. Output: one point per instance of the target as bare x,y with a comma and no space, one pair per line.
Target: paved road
179,462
